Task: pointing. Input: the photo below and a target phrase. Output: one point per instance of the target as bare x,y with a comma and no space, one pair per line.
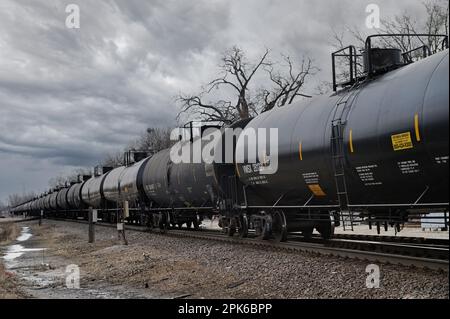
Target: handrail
368,43
353,64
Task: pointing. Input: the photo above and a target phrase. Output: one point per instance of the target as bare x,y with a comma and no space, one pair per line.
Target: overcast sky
69,96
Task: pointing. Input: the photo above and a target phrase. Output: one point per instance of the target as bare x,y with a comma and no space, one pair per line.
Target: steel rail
326,248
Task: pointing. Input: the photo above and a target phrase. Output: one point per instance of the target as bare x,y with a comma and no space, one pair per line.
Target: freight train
376,148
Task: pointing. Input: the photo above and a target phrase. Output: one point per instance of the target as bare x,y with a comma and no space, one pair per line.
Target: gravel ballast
170,267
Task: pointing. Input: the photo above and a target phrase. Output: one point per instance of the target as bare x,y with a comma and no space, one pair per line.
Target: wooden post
40,217
91,225
123,213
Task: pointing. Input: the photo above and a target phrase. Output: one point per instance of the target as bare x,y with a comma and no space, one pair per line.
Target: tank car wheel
264,230
279,226
243,226
233,226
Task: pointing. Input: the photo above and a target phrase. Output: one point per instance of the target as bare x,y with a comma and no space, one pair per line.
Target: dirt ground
9,283
158,266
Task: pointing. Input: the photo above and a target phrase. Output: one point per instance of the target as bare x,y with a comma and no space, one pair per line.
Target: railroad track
396,239
432,256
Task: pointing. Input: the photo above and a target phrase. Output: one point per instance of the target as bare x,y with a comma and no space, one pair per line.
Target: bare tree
435,22
17,199
287,84
57,181
14,200
324,87
65,180
236,74
77,174
236,78
113,159
154,140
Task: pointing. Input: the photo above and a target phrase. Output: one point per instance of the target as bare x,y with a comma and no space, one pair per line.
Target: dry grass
8,232
9,288
8,281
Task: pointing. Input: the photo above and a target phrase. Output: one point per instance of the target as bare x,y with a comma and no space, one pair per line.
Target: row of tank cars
377,147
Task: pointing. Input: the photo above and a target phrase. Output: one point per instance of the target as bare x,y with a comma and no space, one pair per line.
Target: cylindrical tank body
178,185
33,205
62,198
395,143
46,201
53,200
91,191
70,194
155,178
42,203
111,185
130,181
74,196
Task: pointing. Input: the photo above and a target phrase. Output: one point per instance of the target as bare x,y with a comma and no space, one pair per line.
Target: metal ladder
230,196
338,156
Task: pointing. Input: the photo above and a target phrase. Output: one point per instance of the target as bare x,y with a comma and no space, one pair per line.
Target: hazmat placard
402,141
317,190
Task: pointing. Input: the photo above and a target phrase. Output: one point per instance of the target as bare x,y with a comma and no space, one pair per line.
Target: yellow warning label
317,190
402,141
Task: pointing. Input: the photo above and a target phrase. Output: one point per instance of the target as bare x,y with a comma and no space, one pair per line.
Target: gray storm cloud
69,96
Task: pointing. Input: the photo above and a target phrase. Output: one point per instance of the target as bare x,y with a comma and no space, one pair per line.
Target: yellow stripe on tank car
416,127
300,151
350,141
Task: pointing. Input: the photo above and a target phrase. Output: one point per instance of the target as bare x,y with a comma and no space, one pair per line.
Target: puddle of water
12,256
17,250
25,235
50,283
